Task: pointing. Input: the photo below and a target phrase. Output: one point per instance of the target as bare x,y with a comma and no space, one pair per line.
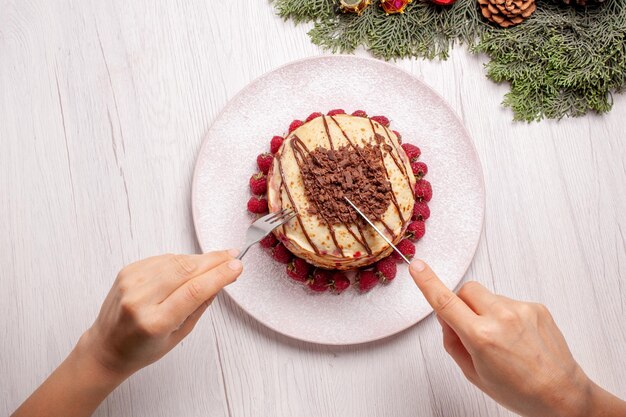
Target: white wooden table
103,106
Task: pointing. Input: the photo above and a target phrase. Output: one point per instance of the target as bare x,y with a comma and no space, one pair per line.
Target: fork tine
285,220
282,216
274,215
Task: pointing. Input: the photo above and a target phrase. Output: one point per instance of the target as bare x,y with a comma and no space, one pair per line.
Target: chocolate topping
354,172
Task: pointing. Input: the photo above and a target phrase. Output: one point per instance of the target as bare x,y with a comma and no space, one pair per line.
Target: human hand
153,305
511,350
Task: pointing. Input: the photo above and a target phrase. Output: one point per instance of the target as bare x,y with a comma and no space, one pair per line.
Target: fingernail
235,265
418,265
233,252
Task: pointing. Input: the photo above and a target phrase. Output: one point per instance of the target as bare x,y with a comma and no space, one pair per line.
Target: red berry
382,120
320,281
421,211
420,169
412,151
443,2
340,282
257,205
295,124
423,191
367,280
264,161
313,116
282,254
407,248
276,143
268,241
336,112
416,230
359,113
386,268
299,269
398,135
258,183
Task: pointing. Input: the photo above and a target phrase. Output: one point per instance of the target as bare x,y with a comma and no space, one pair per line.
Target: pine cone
507,13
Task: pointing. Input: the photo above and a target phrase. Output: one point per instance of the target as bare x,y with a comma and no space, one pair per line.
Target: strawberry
257,205
268,241
320,280
367,280
264,161
282,254
295,124
416,230
258,183
407,248
299,269
336,112
423,191
313,116
398,135
340,282
386,269
412,151
421,211
382,120
276,143
359,113
420,169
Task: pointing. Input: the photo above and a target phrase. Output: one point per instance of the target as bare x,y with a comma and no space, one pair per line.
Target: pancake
326,159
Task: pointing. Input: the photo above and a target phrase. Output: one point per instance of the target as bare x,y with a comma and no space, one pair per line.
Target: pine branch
563,61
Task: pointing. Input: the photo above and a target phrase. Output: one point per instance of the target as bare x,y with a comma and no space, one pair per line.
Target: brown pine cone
507,13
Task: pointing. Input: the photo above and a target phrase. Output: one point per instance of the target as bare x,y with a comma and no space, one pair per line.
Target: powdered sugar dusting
265,108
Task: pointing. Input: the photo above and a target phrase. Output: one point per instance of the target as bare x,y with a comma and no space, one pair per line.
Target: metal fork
264,226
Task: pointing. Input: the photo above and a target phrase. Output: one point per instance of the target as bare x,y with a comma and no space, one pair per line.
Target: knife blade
377,230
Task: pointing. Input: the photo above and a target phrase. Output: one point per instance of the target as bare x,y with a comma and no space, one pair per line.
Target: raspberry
367,280
295,124
423,191
268,241
282,254
416,230
276,143
313,116
336,112
257,205
386,269
412,151
398,135
340,282
421,211
264,161
420,169
299,269
359,113
382,120
407,248
320,280
258,183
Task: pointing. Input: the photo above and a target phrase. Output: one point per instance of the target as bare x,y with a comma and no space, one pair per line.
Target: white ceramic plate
265,108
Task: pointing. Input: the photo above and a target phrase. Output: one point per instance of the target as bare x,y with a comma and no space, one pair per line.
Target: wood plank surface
103,107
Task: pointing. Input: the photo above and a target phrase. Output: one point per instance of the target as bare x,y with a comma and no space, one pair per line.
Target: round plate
265,108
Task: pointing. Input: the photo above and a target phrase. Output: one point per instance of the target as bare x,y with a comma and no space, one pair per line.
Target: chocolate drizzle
399,164
379,140
293,205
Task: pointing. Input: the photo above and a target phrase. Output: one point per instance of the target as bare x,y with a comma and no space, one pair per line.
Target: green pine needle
563,61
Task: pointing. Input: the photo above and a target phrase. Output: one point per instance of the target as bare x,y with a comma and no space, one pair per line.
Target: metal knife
377,230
